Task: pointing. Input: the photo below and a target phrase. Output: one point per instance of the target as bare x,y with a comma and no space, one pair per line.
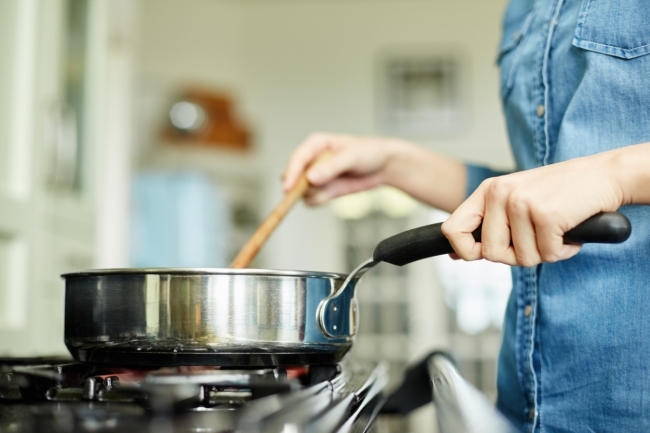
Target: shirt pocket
515,30
618,28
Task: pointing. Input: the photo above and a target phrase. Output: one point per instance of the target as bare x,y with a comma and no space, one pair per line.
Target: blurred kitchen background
154,133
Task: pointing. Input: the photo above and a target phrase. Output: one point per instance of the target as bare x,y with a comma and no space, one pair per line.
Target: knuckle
499,188
446,229
449,231
487,182
518,203
516,208
485,186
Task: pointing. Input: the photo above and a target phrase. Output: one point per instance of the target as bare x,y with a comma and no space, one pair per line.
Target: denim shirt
575,81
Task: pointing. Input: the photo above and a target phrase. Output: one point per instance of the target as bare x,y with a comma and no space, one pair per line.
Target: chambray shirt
575,81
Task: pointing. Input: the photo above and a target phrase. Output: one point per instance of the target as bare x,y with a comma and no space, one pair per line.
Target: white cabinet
56,64
19,216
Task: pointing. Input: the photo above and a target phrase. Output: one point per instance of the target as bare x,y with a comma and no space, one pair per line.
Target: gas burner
48,395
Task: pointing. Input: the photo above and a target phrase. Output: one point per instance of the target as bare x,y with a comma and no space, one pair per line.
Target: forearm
630,168
432,178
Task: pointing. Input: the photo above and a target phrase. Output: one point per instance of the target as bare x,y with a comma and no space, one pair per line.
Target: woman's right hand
360,163
355,164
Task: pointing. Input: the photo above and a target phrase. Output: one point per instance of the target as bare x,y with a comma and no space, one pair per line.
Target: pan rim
203,271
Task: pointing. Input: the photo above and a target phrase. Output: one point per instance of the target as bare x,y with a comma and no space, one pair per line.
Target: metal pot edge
203,271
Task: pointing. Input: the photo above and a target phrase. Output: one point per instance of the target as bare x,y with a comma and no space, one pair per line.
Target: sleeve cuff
477,174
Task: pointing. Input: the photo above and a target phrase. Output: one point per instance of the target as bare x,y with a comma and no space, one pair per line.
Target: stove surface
59,395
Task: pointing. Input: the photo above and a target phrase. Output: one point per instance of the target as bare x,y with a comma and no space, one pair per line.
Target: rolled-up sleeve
477,174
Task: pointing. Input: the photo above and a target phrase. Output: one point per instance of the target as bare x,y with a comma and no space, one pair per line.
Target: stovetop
59,395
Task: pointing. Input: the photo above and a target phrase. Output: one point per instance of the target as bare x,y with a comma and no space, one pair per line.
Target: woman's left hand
526,214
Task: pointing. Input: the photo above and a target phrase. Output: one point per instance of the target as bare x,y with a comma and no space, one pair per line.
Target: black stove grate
57,395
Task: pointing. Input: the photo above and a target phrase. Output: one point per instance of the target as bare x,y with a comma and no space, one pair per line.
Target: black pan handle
428,241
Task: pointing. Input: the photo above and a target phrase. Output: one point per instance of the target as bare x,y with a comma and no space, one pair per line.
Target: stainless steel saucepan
243,317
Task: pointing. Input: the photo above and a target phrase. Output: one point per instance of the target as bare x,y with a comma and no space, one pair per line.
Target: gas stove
59,395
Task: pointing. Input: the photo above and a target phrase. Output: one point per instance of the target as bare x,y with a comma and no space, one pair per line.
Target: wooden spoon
252,247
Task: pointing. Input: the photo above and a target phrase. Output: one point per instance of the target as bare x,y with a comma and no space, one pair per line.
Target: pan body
220,317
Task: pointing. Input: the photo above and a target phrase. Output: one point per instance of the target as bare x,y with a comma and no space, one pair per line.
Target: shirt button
528,310
540,110
531,414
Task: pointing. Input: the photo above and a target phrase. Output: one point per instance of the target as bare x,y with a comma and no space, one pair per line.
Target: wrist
398,154
629,167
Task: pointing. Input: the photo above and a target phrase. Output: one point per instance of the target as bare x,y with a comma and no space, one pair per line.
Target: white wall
300,66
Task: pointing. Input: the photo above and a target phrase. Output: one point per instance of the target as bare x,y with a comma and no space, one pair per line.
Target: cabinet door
64,141
64,182
46,211
18,213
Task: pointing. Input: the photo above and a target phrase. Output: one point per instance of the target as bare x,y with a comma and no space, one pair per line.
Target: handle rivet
334,327
335,308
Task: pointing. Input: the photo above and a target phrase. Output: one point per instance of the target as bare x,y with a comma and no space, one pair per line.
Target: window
420,95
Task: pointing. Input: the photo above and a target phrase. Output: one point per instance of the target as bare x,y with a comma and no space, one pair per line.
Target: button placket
528,334
538,121
542,144
528,310
529,302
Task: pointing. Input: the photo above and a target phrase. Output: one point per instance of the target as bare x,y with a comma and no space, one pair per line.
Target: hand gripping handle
428,241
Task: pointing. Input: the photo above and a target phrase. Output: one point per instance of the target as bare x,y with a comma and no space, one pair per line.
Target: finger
454,256
524,238
550,241
495,235
303,156
339,187
460,225
338,164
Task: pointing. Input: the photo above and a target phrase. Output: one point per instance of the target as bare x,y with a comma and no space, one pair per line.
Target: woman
575,81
